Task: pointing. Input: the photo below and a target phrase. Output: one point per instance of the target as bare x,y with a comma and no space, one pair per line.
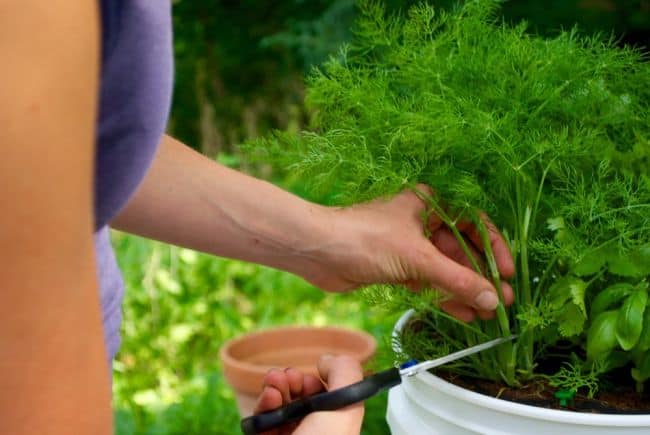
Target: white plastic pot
427,405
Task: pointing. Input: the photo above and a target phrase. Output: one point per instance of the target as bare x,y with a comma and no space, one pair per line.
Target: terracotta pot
248,358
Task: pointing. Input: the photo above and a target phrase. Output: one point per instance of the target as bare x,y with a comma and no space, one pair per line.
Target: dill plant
549,136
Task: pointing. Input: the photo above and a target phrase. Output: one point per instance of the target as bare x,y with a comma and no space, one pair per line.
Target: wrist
335,245
316,242
343,422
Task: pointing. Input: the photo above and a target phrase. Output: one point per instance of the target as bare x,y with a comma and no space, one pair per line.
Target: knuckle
465,283
346,359
340,361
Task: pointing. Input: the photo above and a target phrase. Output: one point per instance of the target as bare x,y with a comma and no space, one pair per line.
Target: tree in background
239,64
239,72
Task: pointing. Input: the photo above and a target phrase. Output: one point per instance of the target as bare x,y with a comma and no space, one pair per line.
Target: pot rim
363,353
507,407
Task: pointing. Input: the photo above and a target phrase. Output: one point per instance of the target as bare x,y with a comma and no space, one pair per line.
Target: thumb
339,371
464,283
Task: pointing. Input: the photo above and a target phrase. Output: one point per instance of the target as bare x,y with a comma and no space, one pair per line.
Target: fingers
446,243
271,398
295,380
467,314
445,273
508,294
459,310
311,386
502,254
338,372
500,248
280,388
278,379
283,386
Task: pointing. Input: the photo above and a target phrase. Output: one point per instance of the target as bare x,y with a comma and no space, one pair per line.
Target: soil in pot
617,394
619,398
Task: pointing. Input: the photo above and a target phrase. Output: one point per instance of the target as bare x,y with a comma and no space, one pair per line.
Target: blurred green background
239,74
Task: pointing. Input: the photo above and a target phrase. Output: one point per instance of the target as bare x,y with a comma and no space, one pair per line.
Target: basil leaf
644,340
601,337
629,323
616,359
610,296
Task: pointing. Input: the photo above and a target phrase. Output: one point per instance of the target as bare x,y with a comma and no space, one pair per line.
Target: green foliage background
240,64
180,308
549,136
239,73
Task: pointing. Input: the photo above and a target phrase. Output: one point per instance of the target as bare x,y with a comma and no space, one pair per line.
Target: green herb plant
548,136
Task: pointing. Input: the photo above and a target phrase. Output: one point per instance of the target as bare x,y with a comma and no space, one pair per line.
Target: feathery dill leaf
549,136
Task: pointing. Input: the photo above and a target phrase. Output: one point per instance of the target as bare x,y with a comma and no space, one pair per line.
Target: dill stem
495,277
444,217
463,325
523,249
526,341
506,350
463,244
504,354
547,272
491,363
526,296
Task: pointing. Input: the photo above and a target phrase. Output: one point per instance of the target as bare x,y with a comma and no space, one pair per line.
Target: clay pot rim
363,353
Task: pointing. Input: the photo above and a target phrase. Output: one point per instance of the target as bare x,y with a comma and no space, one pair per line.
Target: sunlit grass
181,306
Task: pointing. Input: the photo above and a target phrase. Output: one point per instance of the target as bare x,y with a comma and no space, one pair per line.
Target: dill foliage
549,136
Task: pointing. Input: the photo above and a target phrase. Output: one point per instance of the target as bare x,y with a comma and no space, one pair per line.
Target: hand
384,242
230,214
282,387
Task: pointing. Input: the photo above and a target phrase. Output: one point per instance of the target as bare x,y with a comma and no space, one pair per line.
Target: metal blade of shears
426,365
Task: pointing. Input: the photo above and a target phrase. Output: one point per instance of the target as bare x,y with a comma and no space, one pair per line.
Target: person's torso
136,84
135,95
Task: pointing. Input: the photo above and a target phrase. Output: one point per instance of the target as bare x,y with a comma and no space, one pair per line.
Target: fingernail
327,356
486,300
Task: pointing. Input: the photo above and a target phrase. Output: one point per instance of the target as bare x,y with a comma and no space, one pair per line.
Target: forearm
189,200
341,422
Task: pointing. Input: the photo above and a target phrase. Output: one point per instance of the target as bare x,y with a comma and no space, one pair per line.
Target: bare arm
189,200
53,373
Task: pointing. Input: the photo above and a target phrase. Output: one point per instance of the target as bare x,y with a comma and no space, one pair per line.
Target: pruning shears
337,399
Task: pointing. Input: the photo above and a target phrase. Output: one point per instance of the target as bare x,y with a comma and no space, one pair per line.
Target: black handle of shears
328,401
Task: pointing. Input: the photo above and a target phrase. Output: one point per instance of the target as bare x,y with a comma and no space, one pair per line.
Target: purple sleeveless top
135,95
